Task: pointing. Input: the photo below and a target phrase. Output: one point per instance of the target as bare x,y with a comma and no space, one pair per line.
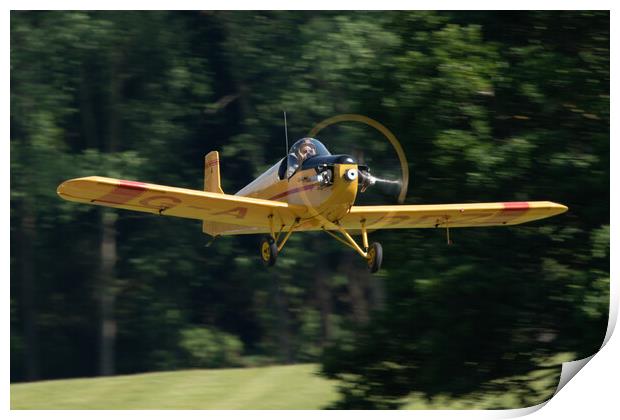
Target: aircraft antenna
285,134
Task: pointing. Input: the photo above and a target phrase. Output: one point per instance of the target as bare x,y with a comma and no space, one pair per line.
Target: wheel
375,257
268,251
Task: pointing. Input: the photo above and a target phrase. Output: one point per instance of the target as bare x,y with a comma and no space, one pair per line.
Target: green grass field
274,387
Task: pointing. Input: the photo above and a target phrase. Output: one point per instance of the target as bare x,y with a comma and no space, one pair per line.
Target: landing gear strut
373,254
270,248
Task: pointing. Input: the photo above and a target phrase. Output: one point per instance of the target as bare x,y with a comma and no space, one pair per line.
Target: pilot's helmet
306,149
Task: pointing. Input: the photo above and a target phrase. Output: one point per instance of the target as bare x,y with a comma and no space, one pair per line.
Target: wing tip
62,188
67,190
558,208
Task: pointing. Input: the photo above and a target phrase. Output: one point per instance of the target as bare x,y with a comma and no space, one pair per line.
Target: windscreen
308,147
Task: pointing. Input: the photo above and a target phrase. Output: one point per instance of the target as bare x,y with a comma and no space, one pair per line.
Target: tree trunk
356,284
377,292
107,293
324,302
27,232
87,113
284,333
108,254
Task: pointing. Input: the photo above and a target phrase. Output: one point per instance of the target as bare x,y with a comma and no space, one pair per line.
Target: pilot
306,150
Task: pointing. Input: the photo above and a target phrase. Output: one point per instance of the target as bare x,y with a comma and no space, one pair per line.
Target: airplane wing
221,213
231,214
449,215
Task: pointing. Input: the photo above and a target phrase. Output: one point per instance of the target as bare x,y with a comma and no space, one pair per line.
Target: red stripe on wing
124,192
516,206
512,210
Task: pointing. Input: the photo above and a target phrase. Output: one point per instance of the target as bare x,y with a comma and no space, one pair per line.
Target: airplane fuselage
308,187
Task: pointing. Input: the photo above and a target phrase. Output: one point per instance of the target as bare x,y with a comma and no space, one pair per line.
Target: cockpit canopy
308,147
300,151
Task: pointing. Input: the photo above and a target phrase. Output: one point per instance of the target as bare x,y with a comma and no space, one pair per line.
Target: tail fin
212,173
212,184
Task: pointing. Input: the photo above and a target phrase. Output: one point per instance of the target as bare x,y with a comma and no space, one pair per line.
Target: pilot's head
306,150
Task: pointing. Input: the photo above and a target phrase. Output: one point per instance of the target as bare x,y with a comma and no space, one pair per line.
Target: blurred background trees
489,106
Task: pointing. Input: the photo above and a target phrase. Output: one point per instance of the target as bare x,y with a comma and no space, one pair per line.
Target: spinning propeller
387,187
393,189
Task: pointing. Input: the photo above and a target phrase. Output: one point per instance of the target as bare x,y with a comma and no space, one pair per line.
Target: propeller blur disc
386,186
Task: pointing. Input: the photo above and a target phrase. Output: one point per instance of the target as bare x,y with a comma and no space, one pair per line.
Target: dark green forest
488,106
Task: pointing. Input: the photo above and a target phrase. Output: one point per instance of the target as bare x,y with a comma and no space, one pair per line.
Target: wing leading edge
450,215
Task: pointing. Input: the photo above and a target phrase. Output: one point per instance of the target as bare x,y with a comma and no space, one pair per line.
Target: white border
593,393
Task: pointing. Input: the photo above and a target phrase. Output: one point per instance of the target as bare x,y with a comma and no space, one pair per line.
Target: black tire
375,257
268,251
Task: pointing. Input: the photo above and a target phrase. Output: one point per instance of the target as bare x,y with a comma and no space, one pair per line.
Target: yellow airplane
308,190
